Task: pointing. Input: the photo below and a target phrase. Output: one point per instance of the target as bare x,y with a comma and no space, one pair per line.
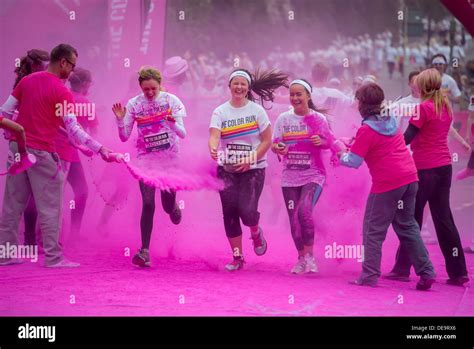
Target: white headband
240,73
303,83
438,60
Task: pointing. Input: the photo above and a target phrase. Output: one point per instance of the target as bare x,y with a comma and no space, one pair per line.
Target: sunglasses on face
72,64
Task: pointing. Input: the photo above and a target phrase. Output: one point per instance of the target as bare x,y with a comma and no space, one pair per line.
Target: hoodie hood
387,126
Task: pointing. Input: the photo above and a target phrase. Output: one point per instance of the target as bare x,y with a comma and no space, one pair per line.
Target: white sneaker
10,261
64,263
311,266
299,267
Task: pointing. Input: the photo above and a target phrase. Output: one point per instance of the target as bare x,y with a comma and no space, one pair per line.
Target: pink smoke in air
177,178
114,201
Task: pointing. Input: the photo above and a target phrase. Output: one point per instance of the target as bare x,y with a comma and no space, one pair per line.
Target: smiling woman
299,136
241,129
159,117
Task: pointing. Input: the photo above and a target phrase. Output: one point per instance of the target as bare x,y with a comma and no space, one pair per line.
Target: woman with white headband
240,136
299,136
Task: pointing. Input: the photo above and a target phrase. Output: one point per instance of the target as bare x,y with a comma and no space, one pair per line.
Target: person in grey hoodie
394,185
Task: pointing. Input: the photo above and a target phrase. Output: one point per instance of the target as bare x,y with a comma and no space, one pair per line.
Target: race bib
236,152
157,142
298,160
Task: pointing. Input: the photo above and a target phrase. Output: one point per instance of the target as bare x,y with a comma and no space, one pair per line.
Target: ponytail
429,85
32,58
264,84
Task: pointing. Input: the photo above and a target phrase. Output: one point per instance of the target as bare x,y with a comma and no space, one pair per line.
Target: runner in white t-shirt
240,136
333,101
448,84
299,137
404,108
159,118
390,58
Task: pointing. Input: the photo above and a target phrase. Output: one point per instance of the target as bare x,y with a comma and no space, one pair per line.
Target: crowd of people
309,92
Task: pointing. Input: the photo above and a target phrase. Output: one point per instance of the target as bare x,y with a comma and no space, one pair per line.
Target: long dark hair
31,62
264,83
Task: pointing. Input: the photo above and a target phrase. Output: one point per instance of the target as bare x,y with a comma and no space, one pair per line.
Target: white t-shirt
444,50
330,98
417,55
155,134
240,130
448,83
391,54
404,109
458,52
303,163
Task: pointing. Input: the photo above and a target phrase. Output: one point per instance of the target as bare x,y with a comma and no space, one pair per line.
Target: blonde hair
149,73
428,83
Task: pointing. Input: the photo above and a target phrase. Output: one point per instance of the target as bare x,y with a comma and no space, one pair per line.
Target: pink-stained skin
188,259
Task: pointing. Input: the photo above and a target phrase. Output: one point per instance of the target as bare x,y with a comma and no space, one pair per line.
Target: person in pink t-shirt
80,81
394,181
428,136
40,99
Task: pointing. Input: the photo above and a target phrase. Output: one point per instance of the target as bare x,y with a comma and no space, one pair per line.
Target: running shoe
142,258
311,266
259,243
236,264
459,281
10,261
300,266
64,263
424,284
176,215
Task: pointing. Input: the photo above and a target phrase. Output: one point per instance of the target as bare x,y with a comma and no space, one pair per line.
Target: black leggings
168,201
434,188
299,202
239,199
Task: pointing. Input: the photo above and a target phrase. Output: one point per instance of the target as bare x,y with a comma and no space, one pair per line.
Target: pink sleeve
362,141
327,133
17,91
77,133
419,120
